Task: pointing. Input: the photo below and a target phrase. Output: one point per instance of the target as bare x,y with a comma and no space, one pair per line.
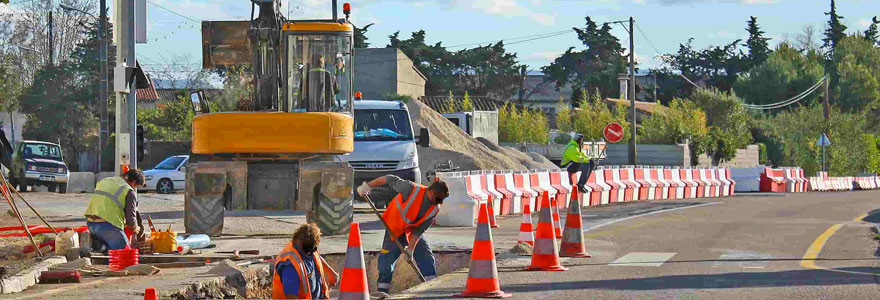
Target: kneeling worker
300,272
408,215
112,208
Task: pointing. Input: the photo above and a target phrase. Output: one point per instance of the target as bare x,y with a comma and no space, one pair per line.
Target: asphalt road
737,248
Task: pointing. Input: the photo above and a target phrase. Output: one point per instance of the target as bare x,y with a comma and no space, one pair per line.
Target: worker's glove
363,189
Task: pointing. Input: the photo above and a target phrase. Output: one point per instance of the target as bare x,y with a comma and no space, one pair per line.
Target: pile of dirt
450,143
522,249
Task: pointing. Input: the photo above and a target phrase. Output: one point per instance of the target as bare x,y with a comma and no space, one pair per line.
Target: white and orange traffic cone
573,236
526,235
482,279
557,224
545,257
491,207
353,284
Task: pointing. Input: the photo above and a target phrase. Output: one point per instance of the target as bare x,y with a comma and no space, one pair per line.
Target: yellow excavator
279,150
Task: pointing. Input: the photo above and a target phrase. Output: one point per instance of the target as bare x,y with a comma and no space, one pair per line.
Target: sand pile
448,142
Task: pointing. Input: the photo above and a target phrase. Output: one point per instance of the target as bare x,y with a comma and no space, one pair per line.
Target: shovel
399,245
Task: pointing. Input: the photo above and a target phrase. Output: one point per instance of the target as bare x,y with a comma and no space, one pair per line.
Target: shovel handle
393,238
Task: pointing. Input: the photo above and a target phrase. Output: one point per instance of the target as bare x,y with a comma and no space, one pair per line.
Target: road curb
28,277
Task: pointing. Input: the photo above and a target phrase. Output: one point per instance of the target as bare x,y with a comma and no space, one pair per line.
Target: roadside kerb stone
28,277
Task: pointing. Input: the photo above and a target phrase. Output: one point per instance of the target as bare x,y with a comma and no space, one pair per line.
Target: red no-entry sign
613,132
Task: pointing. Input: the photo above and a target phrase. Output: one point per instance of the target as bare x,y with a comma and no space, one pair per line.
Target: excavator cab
278,149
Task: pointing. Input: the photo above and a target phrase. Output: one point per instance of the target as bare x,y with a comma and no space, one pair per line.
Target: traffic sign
613,132
823,141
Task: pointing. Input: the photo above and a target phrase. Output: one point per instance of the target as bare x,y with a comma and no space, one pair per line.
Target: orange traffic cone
150,294
525,229
482,279
557,224
353,285
492,214
573,238
545,257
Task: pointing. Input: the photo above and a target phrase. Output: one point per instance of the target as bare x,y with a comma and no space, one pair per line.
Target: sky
664,24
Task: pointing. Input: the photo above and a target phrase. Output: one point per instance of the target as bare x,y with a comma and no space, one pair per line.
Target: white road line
643,259
647,214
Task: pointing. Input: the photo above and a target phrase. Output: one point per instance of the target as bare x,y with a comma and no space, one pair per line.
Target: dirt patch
448,142
11,257
522,249
256,281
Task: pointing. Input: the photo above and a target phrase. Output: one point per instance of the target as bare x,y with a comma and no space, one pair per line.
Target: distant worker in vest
113,210
321,85
574,159
300,271
409,214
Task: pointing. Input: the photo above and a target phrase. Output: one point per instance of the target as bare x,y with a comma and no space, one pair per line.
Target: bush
683,120
518,126
590,119
728,123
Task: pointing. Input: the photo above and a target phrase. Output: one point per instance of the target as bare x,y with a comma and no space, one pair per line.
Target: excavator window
319,73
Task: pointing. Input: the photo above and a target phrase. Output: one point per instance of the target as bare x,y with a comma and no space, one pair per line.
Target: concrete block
81,182
11,285
103,175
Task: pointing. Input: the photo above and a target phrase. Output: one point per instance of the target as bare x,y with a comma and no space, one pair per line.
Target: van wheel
62,188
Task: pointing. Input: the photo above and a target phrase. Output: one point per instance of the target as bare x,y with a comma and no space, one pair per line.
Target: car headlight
32,168
62,169
148,177
411,161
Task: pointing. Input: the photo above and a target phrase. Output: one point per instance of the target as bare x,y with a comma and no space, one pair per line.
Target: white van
384,142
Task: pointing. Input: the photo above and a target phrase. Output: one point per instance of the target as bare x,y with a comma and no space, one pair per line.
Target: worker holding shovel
409,214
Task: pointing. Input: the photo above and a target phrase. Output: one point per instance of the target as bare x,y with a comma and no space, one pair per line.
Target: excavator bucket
225,43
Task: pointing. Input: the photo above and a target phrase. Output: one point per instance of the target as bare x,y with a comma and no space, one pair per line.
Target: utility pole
104,133
51,42
827,107
633,156
125,98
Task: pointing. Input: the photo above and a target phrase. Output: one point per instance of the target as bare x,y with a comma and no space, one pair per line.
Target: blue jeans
389,254
108,234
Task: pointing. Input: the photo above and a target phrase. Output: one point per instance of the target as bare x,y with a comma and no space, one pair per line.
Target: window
170,163
46,151
382,125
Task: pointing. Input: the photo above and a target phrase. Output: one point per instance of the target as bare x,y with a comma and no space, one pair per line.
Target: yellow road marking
809,259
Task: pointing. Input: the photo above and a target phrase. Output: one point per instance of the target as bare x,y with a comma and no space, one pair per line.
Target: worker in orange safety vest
300,271
409,214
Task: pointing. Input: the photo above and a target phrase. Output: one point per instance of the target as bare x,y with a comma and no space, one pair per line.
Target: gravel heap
448,142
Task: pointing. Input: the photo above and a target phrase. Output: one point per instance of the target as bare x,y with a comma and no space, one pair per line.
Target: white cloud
723,34
864,23
508,8
545,55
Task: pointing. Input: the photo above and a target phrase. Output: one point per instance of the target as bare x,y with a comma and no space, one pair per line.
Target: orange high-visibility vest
401,216
289,253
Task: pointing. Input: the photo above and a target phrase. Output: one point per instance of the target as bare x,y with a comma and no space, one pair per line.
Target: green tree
169,122
871,34
522,125
450,103
858,65
728,123
682,121
434,61
487,70
835,31
717,66
797,130
596,67
466,104
757,44
360,36
590,118
786,73
237,90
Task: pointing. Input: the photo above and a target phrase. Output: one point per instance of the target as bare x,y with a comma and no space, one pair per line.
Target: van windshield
382,125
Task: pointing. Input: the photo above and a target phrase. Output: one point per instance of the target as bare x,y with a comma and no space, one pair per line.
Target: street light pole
125,99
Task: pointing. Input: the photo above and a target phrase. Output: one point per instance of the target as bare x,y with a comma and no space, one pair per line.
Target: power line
639,28
173,12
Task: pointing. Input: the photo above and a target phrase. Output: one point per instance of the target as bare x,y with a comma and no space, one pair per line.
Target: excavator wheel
334,215
204,201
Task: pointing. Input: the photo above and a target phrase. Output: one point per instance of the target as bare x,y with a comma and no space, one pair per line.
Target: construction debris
522,249
225,267
133,270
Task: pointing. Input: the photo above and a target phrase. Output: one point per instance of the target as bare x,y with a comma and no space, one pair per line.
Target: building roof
645,107
148,94
440,103
539,88
170,95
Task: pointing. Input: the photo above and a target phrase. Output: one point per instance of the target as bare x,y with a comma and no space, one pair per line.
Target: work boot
379,295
